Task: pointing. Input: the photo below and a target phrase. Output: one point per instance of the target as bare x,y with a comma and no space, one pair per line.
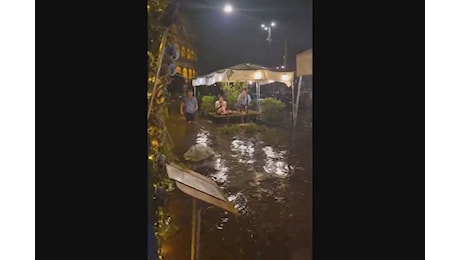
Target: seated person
221,106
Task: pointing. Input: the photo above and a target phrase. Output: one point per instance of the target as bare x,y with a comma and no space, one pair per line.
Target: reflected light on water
221,174
203,137
239,200
244,151
275,162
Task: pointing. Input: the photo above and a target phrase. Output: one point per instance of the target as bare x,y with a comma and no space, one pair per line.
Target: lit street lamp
228,8
269,29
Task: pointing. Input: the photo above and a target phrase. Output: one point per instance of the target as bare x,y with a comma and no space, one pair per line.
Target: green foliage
273,110
229,129
207,103
232,91
235,128
253,128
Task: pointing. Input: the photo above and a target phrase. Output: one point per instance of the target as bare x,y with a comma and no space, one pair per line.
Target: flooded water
267,175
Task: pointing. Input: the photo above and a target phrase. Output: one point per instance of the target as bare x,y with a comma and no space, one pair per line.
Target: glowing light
273,24
258,75
262,25
250,82
282,67
265,28
228,8
285,77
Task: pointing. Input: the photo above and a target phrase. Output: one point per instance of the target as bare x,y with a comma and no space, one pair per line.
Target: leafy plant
207,103
229,129
235,128
232,90
273,110
253,128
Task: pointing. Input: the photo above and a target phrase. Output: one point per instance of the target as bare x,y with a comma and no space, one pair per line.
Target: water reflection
272,196
275,162
244,151
221,171
202,137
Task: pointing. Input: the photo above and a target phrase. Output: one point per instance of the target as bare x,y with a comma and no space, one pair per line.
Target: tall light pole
268,28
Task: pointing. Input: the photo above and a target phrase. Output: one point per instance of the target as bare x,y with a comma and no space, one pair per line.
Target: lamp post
268,28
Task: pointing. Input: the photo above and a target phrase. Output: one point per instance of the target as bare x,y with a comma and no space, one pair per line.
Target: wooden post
198,231
193,245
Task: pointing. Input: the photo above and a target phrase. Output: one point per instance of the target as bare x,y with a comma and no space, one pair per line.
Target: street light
269,29
228,8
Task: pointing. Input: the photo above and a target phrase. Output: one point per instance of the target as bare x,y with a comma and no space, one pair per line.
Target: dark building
186,65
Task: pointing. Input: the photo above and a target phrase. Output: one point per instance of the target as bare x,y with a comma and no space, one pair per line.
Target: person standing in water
191,106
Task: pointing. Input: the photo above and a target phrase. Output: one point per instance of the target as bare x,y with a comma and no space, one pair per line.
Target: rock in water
198,152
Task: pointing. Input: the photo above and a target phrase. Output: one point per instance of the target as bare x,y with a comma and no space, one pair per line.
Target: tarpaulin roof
245,72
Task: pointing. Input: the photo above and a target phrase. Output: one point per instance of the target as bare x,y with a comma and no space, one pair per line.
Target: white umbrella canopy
245,72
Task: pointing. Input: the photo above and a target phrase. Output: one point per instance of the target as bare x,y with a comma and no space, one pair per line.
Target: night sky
223,40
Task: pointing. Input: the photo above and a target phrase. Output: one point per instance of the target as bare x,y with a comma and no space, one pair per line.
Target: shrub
272,110
207,103
231,92
236,128
253,128
229,129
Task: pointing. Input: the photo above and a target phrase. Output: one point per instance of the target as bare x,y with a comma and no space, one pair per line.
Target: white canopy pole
258,95
297,101
292,100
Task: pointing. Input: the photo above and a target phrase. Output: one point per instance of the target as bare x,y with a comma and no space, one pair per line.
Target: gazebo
246,72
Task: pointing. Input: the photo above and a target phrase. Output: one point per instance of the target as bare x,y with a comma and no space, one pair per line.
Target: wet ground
267,175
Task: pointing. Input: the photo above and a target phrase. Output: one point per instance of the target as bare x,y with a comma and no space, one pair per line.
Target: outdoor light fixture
228,8
285,77
282,67
269,29
258,75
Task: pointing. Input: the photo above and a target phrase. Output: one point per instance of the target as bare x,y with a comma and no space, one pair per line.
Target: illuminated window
189,54
190,74
179,70
182,52
184,73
